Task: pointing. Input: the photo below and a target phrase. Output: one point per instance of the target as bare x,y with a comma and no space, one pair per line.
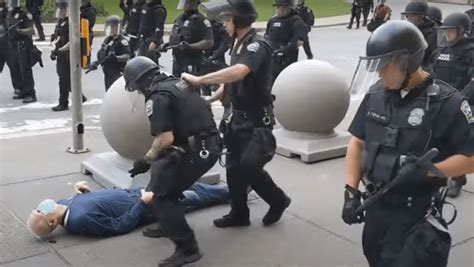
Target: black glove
163,48
139,166
112,55
54,55
184,46
411,175
352,198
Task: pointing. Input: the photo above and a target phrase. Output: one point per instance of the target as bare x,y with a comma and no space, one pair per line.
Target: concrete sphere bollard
311,96
124,121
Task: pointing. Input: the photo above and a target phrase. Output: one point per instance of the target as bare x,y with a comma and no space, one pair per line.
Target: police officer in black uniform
34,7
367,7
286,32
214,58
88,12
470,13
60,54
184,148
307,15
416,12
455,65
356,11
3,35
152,23
20,32
133,25
436,15
114,52
248,134
125,5
190,37
403,116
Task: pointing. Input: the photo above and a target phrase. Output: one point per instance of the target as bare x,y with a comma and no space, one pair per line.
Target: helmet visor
447,36
218,9
369,71
112,30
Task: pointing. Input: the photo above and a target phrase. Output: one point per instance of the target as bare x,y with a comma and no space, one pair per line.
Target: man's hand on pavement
82,187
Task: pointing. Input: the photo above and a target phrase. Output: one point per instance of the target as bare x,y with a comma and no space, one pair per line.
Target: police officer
470,13
34,7
402,117
356,10
455,65
20,32
307,15
114,53
133,25
436,15
60,54
125,6
152,23
416,12
214,58
285,32
3,34
367,7
248,134
88,12
190,37
184,148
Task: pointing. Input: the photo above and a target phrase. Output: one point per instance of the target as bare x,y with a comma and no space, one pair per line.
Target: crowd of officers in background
198,44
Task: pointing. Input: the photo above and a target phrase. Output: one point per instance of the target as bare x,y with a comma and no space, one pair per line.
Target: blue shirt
106,212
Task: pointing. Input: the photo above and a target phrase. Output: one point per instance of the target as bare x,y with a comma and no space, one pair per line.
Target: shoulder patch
207,23
124,42
149,108
29,16
253,47
466,110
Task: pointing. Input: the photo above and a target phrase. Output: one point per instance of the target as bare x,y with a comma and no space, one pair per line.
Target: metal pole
76,85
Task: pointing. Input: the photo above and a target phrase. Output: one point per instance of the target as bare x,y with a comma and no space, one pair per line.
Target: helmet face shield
112,30
371,69
447,36
218,9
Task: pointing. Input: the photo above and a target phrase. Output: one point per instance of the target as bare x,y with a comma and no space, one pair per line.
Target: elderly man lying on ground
110,212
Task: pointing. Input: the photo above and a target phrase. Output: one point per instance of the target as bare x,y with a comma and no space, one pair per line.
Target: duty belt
255,116
201,140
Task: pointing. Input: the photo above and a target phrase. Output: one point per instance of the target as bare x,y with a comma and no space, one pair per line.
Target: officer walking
286,32
133,25
20,45
403,116
436,15
248,134
60,38
184,148
367,7
356,10
88,12
152,23
307,15
34,7
416,13
114,53
125,6
4,39
455,65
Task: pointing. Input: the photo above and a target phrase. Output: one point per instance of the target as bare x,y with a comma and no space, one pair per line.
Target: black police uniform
367,6
431,36
172,106
125,5
395,231
62,60
133,24
34,7
152,23
284,33
88,12
470,13
215,57
356,11
248,131
307,15
19,53
3,36
190,27
111,47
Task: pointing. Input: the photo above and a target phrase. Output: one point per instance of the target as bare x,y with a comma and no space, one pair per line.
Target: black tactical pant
64,72
365,13
355,14
37,21
397,236
182,64
7,59
170,176
111,74
18,60
250,146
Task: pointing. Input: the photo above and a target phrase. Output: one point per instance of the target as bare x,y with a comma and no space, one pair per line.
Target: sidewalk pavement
311,233
260,25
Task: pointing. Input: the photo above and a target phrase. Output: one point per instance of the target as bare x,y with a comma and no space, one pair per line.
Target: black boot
29,99
186,251
60,107
231,220
275,212
153,231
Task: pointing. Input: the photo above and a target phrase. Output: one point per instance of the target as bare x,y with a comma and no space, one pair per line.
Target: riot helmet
283,3
136,71
14,3
456,26
415,12
61,8
435,14
396,48
187,5
85,2
243,12
112,25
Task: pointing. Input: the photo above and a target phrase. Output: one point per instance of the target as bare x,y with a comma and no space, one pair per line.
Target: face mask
46,206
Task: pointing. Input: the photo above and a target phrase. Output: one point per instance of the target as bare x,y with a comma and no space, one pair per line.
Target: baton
100,63
424,161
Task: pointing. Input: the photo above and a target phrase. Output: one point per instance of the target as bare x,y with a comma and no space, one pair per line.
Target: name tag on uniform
378,117
444,57
186,23
277,24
